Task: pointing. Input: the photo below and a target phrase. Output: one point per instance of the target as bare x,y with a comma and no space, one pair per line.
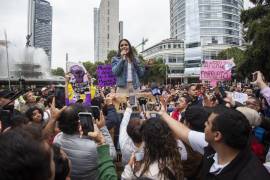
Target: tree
155,71
239,59
256,22
58,72
110,55
91,68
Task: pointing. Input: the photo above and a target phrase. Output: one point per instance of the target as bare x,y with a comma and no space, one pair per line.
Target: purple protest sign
105,76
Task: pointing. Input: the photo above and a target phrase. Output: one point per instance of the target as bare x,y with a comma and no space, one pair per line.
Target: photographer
224,145
84,163
8,111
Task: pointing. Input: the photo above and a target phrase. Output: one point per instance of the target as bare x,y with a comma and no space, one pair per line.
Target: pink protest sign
217,70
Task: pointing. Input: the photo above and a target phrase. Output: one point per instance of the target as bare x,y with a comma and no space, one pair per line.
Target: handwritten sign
239,97
217,70
105,76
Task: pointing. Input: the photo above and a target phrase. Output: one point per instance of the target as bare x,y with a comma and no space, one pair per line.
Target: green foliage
239,58
58,72
155,71
92,67
110,55
257,22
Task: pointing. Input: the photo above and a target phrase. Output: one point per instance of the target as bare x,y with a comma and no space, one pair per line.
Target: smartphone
139,156
86,121
222,92
95,112
132,100
59,94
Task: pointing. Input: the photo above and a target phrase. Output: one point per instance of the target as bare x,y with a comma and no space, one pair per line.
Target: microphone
142,102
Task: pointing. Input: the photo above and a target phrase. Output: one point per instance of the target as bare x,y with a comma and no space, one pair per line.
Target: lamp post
7,60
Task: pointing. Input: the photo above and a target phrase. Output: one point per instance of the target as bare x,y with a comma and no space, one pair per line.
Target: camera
132,100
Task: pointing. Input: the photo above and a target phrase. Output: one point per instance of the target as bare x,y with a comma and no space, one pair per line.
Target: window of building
214,40
169,46
192,45
172,60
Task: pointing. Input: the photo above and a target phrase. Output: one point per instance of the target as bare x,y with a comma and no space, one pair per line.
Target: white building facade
106,28
172,53
207,27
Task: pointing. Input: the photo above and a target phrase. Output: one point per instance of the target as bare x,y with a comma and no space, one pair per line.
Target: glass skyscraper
40,25
206,26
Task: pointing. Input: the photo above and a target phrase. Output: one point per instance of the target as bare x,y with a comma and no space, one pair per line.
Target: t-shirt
129,73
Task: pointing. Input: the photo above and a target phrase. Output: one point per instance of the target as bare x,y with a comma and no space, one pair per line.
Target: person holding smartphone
127,69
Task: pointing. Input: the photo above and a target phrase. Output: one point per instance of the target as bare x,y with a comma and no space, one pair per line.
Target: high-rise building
40,25
107,29
207,27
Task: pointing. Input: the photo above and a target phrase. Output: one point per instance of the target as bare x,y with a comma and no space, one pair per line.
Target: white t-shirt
129,73
198,143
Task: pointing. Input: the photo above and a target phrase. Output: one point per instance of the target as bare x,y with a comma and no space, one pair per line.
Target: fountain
28,63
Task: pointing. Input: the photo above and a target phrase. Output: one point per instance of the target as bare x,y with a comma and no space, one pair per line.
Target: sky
73,28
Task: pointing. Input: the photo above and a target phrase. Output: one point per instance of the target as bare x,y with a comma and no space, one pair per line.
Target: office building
107,29
171,51
40,25
207,27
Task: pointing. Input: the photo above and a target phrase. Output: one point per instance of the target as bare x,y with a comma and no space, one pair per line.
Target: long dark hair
130,54
161,147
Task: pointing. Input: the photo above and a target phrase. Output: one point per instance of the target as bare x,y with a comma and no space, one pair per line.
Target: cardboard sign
216,70
105,76
78,86
239,97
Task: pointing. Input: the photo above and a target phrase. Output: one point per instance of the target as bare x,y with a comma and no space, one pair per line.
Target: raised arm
106,168
178,128
106,134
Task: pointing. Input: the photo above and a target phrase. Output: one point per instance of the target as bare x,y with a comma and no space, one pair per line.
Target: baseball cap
6,94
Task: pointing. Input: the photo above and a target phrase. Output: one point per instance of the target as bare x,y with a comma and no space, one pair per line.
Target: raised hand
55,113
97,136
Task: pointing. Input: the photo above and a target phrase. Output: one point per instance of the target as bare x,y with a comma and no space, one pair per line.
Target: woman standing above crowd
127,69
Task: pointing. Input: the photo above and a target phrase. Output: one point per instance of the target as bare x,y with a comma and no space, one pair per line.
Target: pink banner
216,70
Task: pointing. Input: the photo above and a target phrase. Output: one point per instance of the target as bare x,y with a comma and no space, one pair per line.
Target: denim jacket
119,69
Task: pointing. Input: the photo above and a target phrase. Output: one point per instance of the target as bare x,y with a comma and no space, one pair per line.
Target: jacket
119,69
245,166
82,153
106,168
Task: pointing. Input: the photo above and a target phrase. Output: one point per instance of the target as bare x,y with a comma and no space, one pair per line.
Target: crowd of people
195,132
182,132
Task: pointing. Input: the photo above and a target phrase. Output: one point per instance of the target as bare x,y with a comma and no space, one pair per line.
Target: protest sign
239,97
216,70
78,85
105,76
